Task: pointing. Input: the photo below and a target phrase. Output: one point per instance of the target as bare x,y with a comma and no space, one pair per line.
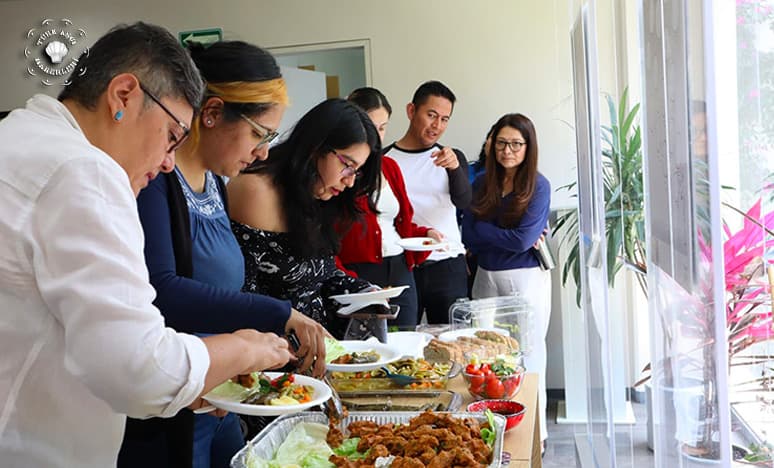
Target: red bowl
513,411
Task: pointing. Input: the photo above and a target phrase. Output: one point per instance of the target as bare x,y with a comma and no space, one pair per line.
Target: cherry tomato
494,388
476,389
477,380
510,386
279,382
471,368
485,367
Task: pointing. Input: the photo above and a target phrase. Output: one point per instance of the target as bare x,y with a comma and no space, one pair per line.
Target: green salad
305,447
333,350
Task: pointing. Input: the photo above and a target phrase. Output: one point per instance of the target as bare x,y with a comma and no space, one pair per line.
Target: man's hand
311,338
438,237
445,158
435,235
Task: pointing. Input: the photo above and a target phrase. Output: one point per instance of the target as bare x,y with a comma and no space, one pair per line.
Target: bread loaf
438,350
511,343
485,344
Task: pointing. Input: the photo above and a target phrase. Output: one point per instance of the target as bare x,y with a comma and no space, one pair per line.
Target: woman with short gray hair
82,344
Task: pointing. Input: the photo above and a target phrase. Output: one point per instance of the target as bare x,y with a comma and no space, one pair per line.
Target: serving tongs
333,408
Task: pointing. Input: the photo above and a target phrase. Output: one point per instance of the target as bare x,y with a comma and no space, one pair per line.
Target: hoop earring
119,115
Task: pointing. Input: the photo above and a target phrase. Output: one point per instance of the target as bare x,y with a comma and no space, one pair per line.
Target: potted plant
748,277
624,200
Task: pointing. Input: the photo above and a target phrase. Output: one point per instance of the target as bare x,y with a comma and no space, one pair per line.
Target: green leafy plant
748,312
624,199
762,455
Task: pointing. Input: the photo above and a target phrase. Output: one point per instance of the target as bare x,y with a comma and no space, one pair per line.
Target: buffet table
523,441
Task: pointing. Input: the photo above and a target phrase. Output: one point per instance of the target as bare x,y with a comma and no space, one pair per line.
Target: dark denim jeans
216,440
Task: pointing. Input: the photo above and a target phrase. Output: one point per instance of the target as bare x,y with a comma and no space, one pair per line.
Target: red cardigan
363,242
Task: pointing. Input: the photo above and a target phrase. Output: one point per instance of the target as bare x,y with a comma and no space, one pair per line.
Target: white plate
321,394
357,306
410,343
385,293
454,334
387,354
418,244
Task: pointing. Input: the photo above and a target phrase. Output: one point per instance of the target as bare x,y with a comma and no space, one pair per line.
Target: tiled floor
631,441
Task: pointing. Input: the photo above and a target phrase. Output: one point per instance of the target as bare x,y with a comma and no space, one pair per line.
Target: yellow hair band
243,92
253,92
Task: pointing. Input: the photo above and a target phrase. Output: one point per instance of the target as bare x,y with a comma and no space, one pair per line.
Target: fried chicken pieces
429,440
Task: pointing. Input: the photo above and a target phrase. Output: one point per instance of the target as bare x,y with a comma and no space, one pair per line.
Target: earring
209,122
119,115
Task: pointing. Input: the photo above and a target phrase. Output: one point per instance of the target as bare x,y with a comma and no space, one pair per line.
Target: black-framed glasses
515,146
175,140
266,136
348,170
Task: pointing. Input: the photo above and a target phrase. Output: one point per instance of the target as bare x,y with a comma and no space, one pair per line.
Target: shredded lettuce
230,390
333,350
304,440
348,449
316,460
304,447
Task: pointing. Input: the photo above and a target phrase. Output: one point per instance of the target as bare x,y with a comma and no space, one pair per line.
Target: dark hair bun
228,61
195,49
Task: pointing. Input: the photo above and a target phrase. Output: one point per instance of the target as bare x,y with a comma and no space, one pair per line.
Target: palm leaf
624,199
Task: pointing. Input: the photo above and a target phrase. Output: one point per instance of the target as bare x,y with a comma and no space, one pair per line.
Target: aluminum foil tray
265,444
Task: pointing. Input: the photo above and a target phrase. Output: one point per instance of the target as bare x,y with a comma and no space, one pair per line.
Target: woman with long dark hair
284,210
509,212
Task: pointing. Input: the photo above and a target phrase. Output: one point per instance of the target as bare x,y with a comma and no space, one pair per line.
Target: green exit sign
203,36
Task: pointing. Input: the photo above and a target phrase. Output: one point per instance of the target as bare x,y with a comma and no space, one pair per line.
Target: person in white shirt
437,184
82,345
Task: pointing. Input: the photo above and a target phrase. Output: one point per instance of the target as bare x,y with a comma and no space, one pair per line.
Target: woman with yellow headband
193,259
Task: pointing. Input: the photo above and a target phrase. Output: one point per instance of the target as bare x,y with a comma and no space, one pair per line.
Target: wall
497,56
347,64
307,88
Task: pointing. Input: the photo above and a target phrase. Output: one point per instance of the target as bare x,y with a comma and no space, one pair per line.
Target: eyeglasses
515,146
266,136
348,170
175,140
